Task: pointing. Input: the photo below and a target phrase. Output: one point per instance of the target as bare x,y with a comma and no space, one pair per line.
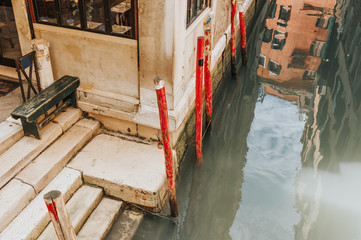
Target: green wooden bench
59,94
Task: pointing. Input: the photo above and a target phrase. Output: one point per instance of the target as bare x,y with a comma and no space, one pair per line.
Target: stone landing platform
131,171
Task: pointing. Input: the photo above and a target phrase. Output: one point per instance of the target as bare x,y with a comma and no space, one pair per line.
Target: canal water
283,157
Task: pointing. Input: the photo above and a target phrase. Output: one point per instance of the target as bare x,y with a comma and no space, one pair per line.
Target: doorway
9,40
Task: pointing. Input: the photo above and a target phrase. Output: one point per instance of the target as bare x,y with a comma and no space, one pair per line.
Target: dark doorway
9,40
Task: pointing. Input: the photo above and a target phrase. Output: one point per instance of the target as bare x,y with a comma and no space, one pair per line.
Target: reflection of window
279,40
322,22
318,49
309,75
110,16
120,16
195,7
272,10
46,11
94,14
298,59
267,36
274,67
262,60
284,16
70,13
298,62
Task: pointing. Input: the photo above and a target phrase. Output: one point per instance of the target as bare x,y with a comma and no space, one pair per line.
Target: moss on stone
186,137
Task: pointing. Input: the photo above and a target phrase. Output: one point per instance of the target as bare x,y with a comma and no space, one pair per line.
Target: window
194,8
299,59
309,75
318,49
267,35
325,21
274,67
279,40
272,10
115,17
298,62
285,15
262,60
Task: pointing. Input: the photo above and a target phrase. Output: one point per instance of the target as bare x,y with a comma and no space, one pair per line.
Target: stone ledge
10,133
49,163
68,117
24,151
101,220
131,171
14,197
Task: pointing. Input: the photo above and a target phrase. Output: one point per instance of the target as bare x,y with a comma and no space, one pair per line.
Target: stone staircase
95,171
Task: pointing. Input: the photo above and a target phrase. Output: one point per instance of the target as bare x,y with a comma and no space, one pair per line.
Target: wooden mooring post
163,116
207,75
243,37
55,203
233,38
199,97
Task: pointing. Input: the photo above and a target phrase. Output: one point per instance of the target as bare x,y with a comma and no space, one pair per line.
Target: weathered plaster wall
178,70
156,29
221,57
101,62
222,18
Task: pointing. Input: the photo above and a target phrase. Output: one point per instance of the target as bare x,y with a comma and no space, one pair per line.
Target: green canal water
283,157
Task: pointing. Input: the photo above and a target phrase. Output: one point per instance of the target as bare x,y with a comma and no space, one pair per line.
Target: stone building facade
116,68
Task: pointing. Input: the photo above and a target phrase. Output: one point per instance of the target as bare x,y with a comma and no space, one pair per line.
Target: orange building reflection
293,46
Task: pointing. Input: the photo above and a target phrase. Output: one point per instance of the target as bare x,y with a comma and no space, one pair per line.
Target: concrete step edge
10,133
68,117
24,151
34,218
11,129
50,162
101,220
14,197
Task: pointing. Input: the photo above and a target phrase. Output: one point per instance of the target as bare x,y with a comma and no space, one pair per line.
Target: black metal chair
28,61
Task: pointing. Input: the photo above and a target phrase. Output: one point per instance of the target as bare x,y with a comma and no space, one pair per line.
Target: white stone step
24,151
100,221
68,117
125,225
14,197
79,207
10,133
11,129
131,171
50,162
34,218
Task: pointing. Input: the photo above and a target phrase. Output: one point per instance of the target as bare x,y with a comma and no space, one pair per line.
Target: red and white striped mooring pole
243,37
163,116
233,38
207,75
199,97
59,216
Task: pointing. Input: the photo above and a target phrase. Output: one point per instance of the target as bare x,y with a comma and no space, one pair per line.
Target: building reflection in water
328,186
310,55
293,47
